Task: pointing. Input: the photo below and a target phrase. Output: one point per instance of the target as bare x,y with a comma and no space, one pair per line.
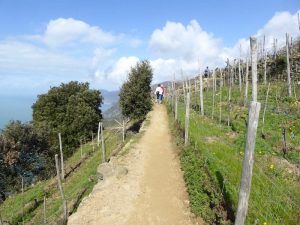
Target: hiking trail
153,190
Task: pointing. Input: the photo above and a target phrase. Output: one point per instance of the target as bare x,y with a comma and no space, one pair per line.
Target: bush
135,94
71,109
25,152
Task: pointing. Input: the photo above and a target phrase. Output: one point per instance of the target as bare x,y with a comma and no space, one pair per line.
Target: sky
45,43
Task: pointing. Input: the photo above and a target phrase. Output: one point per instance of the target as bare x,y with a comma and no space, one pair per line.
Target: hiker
158,92
163,92
206,72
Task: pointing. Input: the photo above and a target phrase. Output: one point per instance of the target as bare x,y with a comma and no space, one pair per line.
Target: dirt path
152,192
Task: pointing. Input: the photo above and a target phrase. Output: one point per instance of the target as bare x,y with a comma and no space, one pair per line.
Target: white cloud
33,62
21,56
102,55
189,42
180,47
166,69
63,32
96,55
135,42
112,77
280,24
277,27
26,68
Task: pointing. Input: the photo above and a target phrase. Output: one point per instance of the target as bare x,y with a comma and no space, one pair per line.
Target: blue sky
142,17
44,43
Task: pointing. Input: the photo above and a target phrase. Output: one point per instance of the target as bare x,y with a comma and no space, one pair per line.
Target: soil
153,190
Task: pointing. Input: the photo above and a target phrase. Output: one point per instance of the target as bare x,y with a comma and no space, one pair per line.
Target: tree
135,94
71,109
24,152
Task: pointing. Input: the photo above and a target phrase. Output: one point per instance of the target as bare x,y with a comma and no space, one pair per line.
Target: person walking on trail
158,92
206,72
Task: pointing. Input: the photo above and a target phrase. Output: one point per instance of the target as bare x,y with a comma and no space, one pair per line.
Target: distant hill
165,83
114,112
110,99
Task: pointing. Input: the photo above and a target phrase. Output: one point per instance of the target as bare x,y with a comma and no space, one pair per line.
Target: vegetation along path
153,191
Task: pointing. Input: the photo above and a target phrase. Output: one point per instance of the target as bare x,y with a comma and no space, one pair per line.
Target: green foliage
277,66
83,178
25,152
135,94
71,109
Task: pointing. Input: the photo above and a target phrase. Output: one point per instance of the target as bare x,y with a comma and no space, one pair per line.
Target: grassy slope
83,179
212,162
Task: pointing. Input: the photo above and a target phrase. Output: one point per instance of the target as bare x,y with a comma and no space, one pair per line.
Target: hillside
28,206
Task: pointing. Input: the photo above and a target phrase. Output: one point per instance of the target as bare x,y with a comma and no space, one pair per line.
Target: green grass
79,184
212,161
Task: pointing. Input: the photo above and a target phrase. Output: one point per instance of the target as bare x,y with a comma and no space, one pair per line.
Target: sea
19,108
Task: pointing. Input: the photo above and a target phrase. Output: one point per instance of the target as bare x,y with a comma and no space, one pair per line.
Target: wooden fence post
288,68
22,200
102,144
93,142
201,95
245,185
176,106
61,158
253,45
246,83
220,102
229,97
44,212
298,20
264,56
240,75
61,190
187,118
214,92
123,131
80,148
98,137
265,107
284,144
195,95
